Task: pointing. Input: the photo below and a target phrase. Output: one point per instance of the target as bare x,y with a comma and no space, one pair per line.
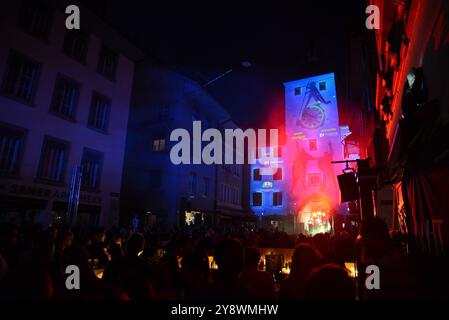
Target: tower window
277,198
322,85
257,199
257,176
314,179
278,174
312,145
297,91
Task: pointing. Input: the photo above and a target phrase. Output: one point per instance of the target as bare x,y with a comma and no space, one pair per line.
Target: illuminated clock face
312,116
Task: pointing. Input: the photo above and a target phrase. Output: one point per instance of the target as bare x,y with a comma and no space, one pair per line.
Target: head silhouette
329,282
229,256
304,260
252,257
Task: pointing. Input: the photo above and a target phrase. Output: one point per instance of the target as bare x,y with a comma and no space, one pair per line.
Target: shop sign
35,191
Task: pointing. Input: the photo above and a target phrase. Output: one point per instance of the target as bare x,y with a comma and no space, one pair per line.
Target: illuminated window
312,145
278,174
322,85
194,217
257,199
257,175
314,179
297,91
159,144
277,198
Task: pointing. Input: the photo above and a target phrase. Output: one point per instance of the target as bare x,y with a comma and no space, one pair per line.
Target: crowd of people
149,265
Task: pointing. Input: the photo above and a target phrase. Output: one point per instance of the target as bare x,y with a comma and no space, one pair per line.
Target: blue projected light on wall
268,196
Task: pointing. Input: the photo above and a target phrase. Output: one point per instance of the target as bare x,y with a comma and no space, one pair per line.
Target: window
91,163
314,179
278,174
99,112
21,77
206,191
322,85
53,160
155,179
192,182
107,62
257,175
312,145
11,148
159,144
75,45
35,18
297,91
277,198
257,199
65,97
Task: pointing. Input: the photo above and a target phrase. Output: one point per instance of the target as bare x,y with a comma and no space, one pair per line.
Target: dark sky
283,40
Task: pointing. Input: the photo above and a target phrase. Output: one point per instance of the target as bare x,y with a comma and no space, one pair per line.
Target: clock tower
313,141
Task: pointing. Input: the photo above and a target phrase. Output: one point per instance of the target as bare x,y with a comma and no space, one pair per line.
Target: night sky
283,40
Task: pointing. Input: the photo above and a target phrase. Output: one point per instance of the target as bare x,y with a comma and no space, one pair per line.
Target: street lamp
243,64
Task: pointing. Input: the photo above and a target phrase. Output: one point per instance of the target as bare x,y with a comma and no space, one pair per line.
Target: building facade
231,182
313,140
411,108
64,103
269,196
155,190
